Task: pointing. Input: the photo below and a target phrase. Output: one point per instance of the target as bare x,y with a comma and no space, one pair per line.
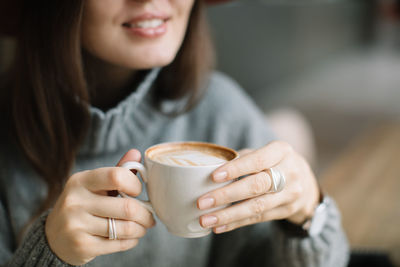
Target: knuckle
115,178
73,180
258,206
71,202
224,217
291,209
69,226
221,196
129,228
73,224
80,245
297,191
259,184
129,208
68,200
147,219
259,163
232,169
138,186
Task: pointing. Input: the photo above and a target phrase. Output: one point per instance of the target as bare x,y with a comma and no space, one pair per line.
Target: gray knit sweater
224,116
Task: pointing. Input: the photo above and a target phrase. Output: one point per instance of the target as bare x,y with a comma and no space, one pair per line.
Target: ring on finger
112,230
278,180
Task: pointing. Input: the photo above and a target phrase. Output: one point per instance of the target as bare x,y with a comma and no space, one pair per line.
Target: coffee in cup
190,154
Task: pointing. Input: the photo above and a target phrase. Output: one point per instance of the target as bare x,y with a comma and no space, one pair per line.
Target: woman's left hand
296,202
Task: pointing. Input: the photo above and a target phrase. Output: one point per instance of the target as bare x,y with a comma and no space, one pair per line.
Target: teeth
151,23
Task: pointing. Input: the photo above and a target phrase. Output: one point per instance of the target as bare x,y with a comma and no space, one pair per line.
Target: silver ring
278,180
112,230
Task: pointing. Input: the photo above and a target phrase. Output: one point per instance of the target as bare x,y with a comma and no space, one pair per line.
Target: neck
108,83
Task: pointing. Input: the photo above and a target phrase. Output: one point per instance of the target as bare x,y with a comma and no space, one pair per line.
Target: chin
151,63
156,56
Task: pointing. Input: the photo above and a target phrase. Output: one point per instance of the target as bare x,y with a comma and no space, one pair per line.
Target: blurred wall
260,43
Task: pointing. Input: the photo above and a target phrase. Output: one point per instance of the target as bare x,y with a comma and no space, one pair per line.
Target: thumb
131,155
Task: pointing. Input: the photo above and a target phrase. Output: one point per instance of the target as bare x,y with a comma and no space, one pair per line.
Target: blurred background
338,63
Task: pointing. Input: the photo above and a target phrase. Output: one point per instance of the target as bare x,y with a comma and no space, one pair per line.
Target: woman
93,79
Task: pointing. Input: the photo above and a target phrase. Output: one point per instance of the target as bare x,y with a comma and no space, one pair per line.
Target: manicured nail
206,203
209,220
220,229
220,176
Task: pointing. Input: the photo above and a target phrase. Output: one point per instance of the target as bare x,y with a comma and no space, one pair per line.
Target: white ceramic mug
173,190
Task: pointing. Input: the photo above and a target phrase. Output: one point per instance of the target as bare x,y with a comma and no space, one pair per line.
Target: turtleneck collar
107,129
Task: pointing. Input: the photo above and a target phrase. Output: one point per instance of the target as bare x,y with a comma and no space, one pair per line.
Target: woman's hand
296,202
77,227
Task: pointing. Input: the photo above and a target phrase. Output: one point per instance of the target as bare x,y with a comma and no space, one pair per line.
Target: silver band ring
278,180
112,230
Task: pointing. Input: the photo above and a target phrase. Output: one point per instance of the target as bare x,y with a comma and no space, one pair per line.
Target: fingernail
209,220
206,203
220,229
220,176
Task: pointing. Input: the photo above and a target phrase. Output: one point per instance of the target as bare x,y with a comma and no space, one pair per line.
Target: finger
245,151
111,178
120,208
277,213
245,209
125,229
131,155
103,246
248,187
259,160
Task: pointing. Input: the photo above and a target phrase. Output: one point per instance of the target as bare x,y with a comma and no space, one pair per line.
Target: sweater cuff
34,250
329,248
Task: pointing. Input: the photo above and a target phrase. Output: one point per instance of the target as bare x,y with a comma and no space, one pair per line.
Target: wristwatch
311,226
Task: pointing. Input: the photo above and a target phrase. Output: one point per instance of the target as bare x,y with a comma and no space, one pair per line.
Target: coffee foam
189,158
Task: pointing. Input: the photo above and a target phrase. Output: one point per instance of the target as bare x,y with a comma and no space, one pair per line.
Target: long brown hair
48,91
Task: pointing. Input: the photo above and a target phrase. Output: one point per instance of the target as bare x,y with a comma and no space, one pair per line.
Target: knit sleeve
33,251
329,248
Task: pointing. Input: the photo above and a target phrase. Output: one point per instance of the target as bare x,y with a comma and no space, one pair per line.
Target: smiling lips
147,25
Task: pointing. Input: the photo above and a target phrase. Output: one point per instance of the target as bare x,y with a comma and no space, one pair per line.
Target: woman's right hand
77,227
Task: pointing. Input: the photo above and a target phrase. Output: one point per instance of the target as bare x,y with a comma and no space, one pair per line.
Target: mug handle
133,165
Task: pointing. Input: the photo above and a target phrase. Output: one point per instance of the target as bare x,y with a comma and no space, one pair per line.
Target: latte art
189,158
